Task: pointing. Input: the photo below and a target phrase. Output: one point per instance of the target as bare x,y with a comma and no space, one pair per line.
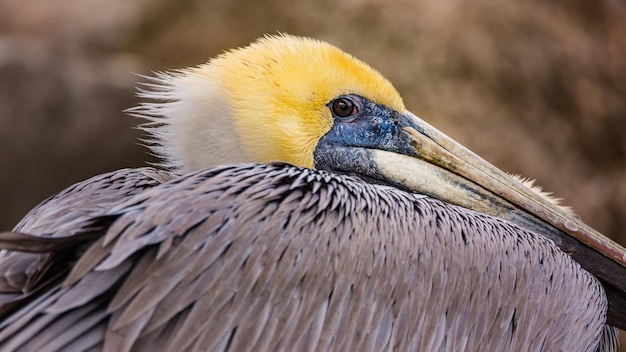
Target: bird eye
344,107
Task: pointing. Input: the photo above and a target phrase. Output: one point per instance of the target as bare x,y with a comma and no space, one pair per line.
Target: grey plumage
63,214
265,257
60,214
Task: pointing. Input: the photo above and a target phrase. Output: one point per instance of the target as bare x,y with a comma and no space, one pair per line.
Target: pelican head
273,100
305,102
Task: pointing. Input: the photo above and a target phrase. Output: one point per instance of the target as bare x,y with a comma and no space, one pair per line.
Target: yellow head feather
278,88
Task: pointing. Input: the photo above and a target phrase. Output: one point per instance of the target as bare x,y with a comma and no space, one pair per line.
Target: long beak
446,170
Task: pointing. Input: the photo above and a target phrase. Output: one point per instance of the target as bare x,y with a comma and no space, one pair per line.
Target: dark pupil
342,107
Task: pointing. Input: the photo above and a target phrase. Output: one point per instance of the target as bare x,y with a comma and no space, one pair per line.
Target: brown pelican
362,229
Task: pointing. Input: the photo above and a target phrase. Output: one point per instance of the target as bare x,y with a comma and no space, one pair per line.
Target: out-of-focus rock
63,86
61,121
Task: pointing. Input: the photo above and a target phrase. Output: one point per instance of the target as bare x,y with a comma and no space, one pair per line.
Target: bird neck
189,124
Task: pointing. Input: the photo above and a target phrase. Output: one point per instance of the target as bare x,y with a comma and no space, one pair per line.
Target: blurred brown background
537,88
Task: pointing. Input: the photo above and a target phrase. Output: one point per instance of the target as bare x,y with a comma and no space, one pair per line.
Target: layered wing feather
273,257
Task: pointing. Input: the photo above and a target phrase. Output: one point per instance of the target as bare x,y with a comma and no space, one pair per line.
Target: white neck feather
189,121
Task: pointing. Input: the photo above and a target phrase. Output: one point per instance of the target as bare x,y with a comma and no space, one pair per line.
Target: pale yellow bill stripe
443,151
459,173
